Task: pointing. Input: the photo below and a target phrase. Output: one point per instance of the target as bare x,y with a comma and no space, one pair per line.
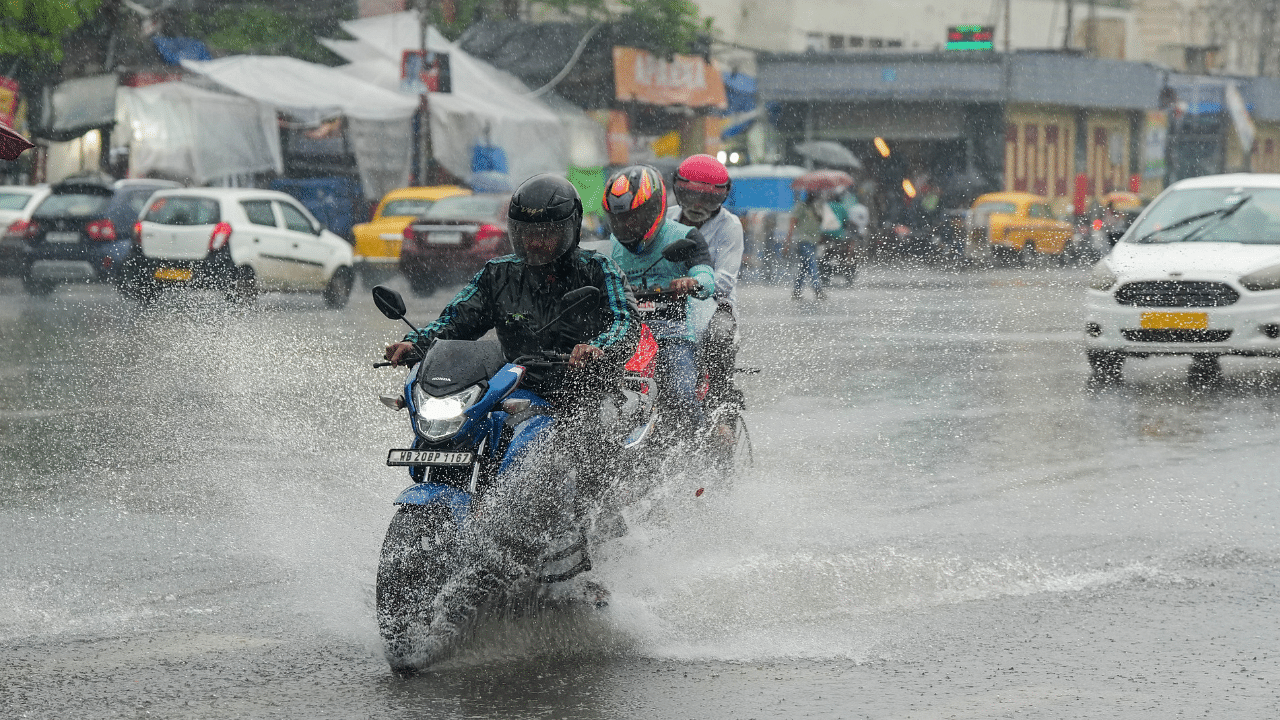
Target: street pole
1007,25
1066,35
1264,35
424,107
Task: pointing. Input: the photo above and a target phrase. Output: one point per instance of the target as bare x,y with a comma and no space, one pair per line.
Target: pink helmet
701,187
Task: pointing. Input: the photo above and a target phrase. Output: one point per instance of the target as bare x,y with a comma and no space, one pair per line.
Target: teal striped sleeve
615,290
706,278
452,313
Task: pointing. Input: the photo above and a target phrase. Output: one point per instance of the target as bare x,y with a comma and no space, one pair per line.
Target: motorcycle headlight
1264,279
1102,278
440,418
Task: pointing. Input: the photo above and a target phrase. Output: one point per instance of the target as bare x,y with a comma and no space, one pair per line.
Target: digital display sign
970,37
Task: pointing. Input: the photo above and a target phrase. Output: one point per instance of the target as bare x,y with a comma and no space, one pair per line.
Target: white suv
1197,274
241,241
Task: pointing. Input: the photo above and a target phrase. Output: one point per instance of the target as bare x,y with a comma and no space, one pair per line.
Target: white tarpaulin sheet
182,131
485,106
379,121
307,91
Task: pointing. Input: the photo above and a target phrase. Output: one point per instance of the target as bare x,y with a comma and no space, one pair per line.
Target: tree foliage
33,29
667,26
257,29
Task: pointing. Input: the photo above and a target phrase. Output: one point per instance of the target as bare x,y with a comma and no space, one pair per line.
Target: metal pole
424,108
1091,29
1066,35
1264,35
1008,25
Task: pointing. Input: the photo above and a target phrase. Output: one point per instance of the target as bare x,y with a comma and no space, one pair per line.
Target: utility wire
577,53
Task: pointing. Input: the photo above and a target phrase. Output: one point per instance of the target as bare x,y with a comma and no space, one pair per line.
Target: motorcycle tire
411,571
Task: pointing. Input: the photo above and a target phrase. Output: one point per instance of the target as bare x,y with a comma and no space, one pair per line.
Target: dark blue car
82,231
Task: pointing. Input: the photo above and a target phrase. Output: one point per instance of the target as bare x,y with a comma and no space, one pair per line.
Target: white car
1198,273
16,203
242,241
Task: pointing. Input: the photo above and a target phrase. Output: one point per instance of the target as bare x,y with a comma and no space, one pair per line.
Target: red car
454,240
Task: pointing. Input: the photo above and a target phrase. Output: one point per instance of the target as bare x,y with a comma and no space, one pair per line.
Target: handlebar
659,294
543,359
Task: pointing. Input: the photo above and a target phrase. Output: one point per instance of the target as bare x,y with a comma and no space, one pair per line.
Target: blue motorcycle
464,403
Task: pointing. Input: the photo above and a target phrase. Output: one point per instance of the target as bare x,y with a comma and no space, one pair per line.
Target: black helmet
544,218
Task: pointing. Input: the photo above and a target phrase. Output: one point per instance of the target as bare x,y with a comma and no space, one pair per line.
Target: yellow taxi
377,250
1017,225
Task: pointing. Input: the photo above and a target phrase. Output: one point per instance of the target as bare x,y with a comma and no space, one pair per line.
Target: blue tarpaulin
176,49
488,158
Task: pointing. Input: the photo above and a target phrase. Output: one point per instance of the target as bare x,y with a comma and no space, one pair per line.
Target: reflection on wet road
942,521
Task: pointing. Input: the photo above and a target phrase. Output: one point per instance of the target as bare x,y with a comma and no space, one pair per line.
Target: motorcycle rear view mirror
680,251
390,303
571,300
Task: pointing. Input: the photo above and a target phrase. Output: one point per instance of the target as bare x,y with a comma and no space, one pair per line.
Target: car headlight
1102,278
1264,279
440,418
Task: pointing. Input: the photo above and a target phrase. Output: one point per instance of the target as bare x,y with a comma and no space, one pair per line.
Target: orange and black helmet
635,200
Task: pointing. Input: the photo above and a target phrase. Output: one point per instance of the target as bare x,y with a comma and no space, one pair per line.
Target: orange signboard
688,80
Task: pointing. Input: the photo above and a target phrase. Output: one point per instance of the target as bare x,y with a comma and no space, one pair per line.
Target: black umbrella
829,152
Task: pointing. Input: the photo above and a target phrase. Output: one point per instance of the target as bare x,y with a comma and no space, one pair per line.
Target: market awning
304,90
78,106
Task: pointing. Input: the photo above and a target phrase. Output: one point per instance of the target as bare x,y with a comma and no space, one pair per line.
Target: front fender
428,493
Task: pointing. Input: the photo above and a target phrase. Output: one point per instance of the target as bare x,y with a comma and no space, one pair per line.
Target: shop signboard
8,101
687,80
427,71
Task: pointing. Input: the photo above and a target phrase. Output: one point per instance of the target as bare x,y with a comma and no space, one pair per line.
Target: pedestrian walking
802,239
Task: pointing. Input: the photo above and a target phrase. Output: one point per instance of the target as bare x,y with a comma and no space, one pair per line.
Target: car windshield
983,212
409,207
13,200
74,203
483,208
1256,222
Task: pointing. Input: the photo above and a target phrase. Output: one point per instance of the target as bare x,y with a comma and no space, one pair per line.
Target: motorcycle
464,402
732,451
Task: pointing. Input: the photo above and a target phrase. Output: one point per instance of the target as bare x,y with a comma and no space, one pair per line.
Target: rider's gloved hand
398,353
683,286
583,354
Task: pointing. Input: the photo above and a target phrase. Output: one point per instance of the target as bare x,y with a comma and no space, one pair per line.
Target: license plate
173,274
62,237
647,306
434,458
1175,320
445,238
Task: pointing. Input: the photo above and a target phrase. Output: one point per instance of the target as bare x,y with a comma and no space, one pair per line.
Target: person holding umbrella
806,225
804,235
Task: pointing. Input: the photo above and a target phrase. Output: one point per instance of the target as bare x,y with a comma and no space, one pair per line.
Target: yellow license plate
176,274
1175,320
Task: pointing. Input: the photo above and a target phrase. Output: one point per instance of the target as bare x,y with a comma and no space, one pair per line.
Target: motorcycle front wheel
411,571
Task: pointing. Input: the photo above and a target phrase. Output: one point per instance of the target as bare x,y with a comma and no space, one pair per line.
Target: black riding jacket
516,299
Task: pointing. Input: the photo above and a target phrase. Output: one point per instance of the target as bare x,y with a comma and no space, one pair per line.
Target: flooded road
942,522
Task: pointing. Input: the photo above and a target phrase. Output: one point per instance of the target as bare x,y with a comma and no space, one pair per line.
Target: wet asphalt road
942,522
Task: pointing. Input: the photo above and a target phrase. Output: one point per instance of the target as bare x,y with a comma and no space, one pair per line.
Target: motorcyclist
635,201
516,295
701,186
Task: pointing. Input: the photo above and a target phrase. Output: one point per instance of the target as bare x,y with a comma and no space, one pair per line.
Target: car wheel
36,288
338,290
421,284
243,287
1107,366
